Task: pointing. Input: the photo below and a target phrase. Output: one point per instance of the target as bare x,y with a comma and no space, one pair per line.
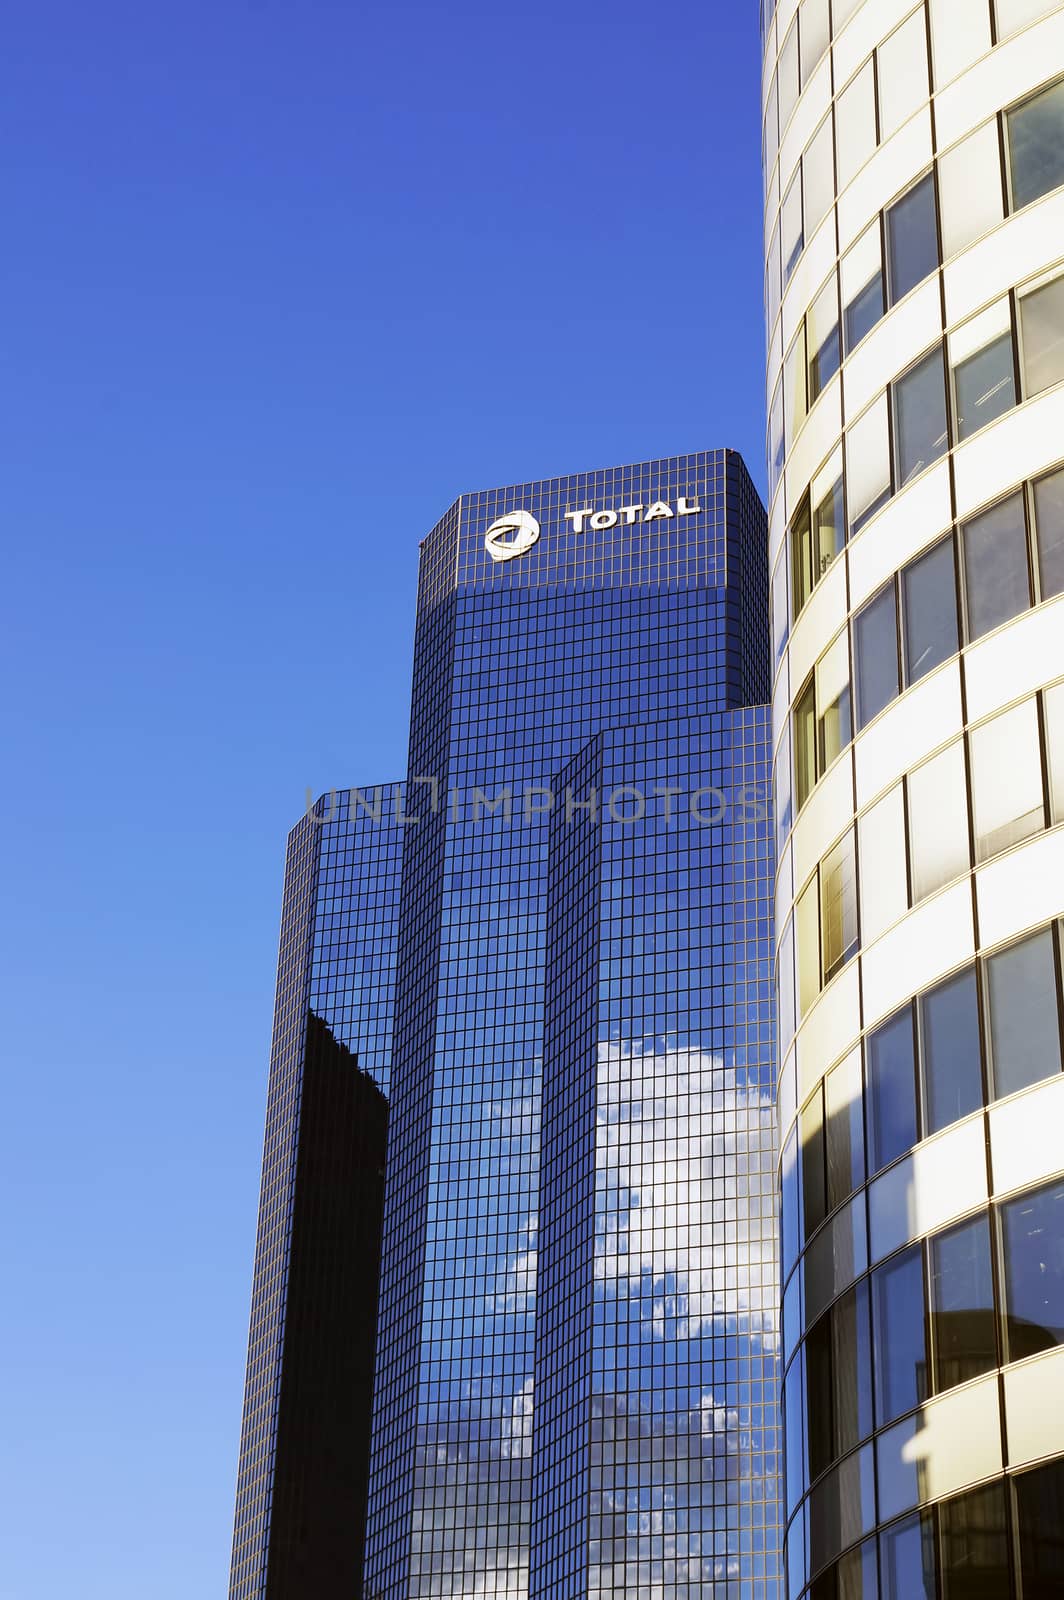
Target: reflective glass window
1049,522
790,1238
996,580
795,376
780,616
851,1368
929,611
1007,802
857,1573
950,1051
1036,145
862,286
884,876
792,239
822,338
1033,1244
912,238
805,742
891,1090
875,645
775,440
807,923
1042,337
818,176
974,1531
938,821
969,189
920,429
802,555
902,74
793,1430
818,1383
844,1129
856,124
1012,15
1053,713
898,1320
811,1143
868,463
1024,1019
829,528
985,386
963,1319
1040,1531
814,27
834,718
907,1560
838,906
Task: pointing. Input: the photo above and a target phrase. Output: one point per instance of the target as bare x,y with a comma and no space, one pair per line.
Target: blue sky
280,280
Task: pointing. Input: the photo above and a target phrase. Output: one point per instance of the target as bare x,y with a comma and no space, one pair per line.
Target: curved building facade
914,228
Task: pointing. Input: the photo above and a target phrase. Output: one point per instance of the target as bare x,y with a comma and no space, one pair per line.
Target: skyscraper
914,182
576,1377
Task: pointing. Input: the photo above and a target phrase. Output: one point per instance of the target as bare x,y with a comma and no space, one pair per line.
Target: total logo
516,533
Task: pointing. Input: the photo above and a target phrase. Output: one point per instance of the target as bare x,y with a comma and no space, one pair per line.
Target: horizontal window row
973,1297
946,209
992,1543
997,566
990,1030
984,793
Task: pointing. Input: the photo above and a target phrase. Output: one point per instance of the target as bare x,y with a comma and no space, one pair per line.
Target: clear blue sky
279,281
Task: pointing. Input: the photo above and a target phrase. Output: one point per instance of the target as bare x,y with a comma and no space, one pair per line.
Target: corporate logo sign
516,533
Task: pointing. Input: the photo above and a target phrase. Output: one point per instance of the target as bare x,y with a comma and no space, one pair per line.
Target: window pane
938,821
950,1051
844,1128
975,1545
920,417
818,177
822,338
1053,707
903,74
1042,337
773,286
775,440
1011,15
929,611
780,620
818,1396
834,721
793,1432
891,1077
1024,1027
851,1369
858,1579
856,124
1033,1242
898,1317
1040,1531
875,642
1049,519
829,527
1036,145
795,375
801,556
962,1304
864,311
807,918
805,744
1007,780
815,33
862,285
868,464
790,1238
811,1145
788,75
791,236
996,582
985,386
784,792
838,906
884,886
912,238
969,189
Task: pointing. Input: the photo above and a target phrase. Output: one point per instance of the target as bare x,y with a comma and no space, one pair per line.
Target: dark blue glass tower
569,990
575,1386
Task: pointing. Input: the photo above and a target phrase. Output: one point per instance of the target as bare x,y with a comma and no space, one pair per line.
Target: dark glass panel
912,239
1040,1531
907,1560
1049,520
1033,1243
920,431
1024,1020
864,311
875,642
985,386
963,1319
1036,145
950,1051
818,1365
996,579
814,1194
891,1092
975,1546
929,600
851,1368
898,1317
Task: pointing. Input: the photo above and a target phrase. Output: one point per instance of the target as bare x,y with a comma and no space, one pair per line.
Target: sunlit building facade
576,1388
914,182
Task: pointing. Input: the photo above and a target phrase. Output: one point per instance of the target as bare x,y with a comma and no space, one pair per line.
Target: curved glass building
914,228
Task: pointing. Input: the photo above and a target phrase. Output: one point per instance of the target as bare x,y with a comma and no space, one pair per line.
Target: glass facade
920,877
577,1356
